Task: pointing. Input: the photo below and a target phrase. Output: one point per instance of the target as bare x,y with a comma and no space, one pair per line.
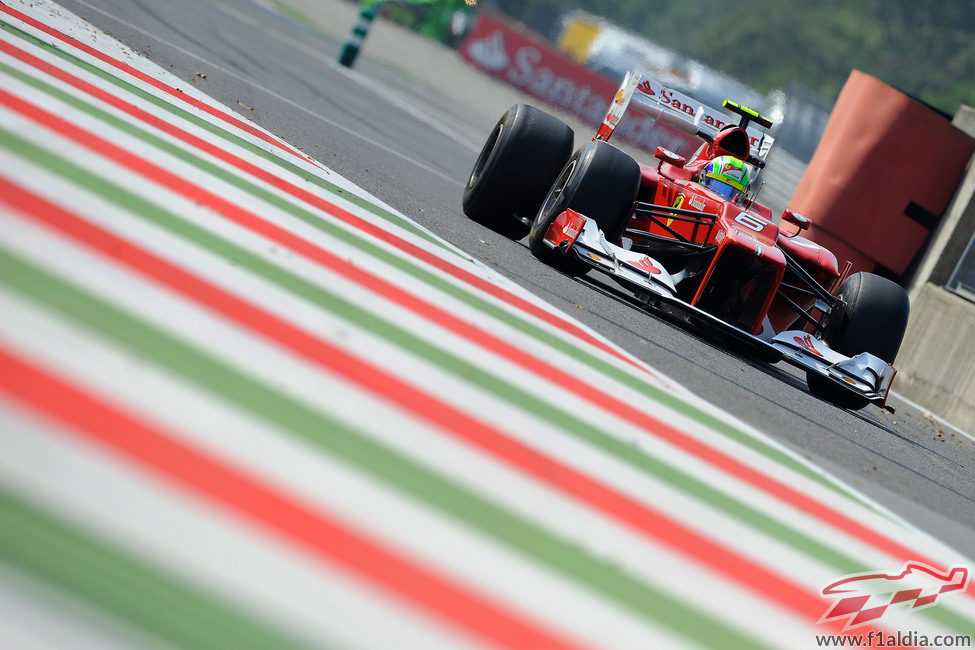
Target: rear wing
672,108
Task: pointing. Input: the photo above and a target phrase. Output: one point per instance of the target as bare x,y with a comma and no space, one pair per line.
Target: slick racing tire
600,182
872,318
517,165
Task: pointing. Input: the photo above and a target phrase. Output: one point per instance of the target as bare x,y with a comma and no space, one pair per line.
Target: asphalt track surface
411,146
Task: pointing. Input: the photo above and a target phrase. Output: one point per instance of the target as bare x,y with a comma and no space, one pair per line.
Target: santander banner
539,70
536,68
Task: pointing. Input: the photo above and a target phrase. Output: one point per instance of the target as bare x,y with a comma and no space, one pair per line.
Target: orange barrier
882,176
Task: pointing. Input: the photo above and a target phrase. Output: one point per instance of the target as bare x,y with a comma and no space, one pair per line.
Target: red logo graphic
864,597
645,265
645,88
806,342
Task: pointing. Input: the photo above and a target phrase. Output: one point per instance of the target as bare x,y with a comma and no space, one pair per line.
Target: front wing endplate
863,375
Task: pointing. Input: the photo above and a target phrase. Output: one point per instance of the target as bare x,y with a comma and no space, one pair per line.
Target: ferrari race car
688,239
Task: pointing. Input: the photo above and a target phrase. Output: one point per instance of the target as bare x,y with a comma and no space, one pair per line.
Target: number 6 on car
750,222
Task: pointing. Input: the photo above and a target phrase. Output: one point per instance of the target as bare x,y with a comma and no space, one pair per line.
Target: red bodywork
747,265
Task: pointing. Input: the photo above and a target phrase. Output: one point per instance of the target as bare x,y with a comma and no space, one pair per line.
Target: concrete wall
953,234
936,365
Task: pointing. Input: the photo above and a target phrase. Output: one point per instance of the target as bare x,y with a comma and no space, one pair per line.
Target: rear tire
600,182
873,319
515,168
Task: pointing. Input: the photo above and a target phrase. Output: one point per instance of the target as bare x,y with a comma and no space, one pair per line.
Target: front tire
515,168
873,319
600,182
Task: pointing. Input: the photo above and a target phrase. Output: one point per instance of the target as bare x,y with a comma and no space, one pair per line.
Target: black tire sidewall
519,162
873,318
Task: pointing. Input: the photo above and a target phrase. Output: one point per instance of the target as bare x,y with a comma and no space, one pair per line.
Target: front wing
863,375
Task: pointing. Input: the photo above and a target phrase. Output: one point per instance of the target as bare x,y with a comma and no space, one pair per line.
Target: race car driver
726,176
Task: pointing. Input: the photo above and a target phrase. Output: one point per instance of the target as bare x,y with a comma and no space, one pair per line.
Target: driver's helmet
726,176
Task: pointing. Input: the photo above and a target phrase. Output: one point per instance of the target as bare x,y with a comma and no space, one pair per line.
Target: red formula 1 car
687,238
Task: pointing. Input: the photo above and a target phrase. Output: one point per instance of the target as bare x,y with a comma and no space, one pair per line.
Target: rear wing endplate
673,108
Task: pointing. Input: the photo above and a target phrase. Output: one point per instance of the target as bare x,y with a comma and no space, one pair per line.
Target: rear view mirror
796,219
670,157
